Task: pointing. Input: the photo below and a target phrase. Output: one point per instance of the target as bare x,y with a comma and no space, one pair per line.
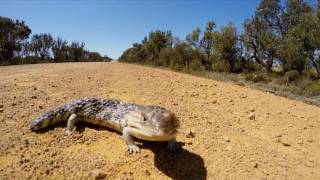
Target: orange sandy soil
227,131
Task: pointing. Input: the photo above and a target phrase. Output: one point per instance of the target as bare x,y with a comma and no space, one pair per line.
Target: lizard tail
50,118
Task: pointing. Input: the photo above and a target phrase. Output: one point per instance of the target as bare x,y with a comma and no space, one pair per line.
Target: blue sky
110,27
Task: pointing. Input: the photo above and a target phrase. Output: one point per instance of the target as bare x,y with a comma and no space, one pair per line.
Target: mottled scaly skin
152,123
104,112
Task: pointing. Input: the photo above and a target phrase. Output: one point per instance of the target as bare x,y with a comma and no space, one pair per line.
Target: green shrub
257,77
282,80
292,75
195,64
313,75
221,66
312,89
249,76
310,74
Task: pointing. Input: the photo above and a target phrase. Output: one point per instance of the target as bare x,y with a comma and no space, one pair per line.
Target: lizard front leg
71,124
128,138
172,145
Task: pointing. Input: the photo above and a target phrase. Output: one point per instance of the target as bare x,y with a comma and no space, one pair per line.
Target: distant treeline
16,47
277,38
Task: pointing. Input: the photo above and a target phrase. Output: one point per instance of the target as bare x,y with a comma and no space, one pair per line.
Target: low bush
292,75
257,77
221,66
312,89
195,65
310,74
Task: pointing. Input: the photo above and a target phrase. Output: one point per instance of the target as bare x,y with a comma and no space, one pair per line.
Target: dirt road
227,131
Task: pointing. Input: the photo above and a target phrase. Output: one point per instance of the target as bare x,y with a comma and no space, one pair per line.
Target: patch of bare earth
227,131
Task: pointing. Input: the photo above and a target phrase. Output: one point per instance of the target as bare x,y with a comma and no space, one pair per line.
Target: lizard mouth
151,134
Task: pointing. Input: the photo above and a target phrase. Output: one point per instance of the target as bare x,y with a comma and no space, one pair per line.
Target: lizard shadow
179,165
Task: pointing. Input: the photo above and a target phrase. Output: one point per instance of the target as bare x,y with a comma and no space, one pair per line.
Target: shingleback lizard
151,123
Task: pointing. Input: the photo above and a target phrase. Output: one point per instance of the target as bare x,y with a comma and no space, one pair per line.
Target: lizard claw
172,146
68,132
133,149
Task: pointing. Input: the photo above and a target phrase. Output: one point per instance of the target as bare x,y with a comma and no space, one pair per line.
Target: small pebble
252,116
98,174
286,144
146,172
243,96
227,139
190,135
278,135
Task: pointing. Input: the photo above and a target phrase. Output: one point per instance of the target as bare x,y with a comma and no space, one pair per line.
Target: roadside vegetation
279,45
17,46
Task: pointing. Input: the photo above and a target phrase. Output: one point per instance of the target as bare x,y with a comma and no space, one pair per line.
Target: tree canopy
278,35
17,47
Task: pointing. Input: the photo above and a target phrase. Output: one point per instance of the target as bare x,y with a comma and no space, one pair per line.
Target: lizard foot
133,149
172,145
70,132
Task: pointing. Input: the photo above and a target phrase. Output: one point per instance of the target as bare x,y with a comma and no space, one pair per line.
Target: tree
41,45
269,11
60,50
301,40
180,57
76,51
262,31
318,10
193,39
95,56
106,58
12,35
206,42
156,41
135,54
292,55
25,50
316,41
307,34
293,10
225,45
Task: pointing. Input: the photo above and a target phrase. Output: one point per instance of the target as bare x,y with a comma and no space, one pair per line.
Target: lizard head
153,123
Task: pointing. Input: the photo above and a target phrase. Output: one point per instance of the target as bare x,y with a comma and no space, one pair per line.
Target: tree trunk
255,52
269,64
316,66
314,63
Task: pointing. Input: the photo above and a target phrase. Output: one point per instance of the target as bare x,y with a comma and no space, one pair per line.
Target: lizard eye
144,119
